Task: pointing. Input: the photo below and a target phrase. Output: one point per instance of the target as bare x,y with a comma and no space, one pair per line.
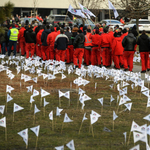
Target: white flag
17,108
137,147
146,93
3,122
122,101
29,88
111,99
125,136
9,88
35,92
58,111
143,88
36,110
9,98
67,119
137,136
125,83
128,105
31,99
60,147
95,114
67,94
35,79
84,118
93,118
36,130
45,102
44,93
126,98
60,93
74,11
2,107
101,101
51,115
70,145
114,115
135,126
85,97
148,130
63,76
147,117
113,8
81,91
24,135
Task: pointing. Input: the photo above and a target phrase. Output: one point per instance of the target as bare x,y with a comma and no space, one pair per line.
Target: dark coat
30,36
69,35
44,37
79,41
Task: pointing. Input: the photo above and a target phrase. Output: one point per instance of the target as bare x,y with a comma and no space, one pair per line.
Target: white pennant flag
84,118
125,136
45,102
36,110
81,91
31,99
124,90
128,105
51,115
148,102
146,93
36,130
143,88
70,145
63,76
24,135
9,88
148,130
35,79
67,119
126,98
9,98
60,147
85,97
95,114
3,122
114,115
74,11
101,101
93,118
147,117
137,147
113,8
135,126
111,99
122,101
35,92
137,136
44,93
17,108
60,93
2,108
29,88
67,94
125,84
58,111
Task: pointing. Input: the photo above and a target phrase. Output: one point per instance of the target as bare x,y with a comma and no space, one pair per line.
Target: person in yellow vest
13,37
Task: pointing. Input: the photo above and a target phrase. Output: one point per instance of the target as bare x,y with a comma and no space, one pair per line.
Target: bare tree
35,3
134,9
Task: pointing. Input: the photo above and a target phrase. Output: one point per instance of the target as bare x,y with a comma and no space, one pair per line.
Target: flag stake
31,106
6,105
6,133
13,117
129,138
92,131
33,119
80,127
62,127
101,110
69,101
36,142
52,125
44,111
26,146
41,102
59,102
113,124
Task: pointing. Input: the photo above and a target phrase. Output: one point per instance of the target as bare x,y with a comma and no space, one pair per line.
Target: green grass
49,139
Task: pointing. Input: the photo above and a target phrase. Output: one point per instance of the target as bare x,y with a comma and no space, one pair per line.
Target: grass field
49,139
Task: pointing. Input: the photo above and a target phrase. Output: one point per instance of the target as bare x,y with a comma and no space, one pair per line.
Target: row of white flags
88,12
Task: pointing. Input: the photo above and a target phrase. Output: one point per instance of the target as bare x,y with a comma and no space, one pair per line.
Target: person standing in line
78,49
51,41
61,43
30,39
45,47
144,48
13,38
21,39
128,43
69,51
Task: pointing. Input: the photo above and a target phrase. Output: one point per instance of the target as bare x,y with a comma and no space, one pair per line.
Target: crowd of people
77,44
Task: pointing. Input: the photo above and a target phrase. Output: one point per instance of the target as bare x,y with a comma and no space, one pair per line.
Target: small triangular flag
17,108
36,110
36,130
70,145
67,119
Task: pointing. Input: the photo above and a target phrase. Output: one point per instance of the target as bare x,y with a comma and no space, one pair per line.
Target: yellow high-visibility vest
13,34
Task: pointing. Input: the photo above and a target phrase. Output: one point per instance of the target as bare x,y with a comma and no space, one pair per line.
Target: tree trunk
137,24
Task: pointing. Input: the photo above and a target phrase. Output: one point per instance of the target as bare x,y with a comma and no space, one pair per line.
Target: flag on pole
70,145
17,108
3,122
2,107
113,8
36,130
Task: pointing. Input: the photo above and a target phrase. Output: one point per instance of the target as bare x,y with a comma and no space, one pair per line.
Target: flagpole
13,116
41,101
80,127
62,127
110,16
129,138
6,133
36,142
59,102
113,124
66,16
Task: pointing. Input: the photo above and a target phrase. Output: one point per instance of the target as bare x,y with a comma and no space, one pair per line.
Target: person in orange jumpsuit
38,41
95,53
51,41
105,43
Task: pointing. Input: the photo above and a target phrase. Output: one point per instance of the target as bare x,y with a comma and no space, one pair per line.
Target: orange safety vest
88,41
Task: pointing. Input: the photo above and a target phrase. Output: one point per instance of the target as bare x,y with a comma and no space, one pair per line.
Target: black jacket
129,42
61,42
69,35
143,42
30,36
79,41
44,37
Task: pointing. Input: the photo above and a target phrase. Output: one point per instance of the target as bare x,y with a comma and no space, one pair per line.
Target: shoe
148,69
144,71
126,69
100,66
67,63
121,66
